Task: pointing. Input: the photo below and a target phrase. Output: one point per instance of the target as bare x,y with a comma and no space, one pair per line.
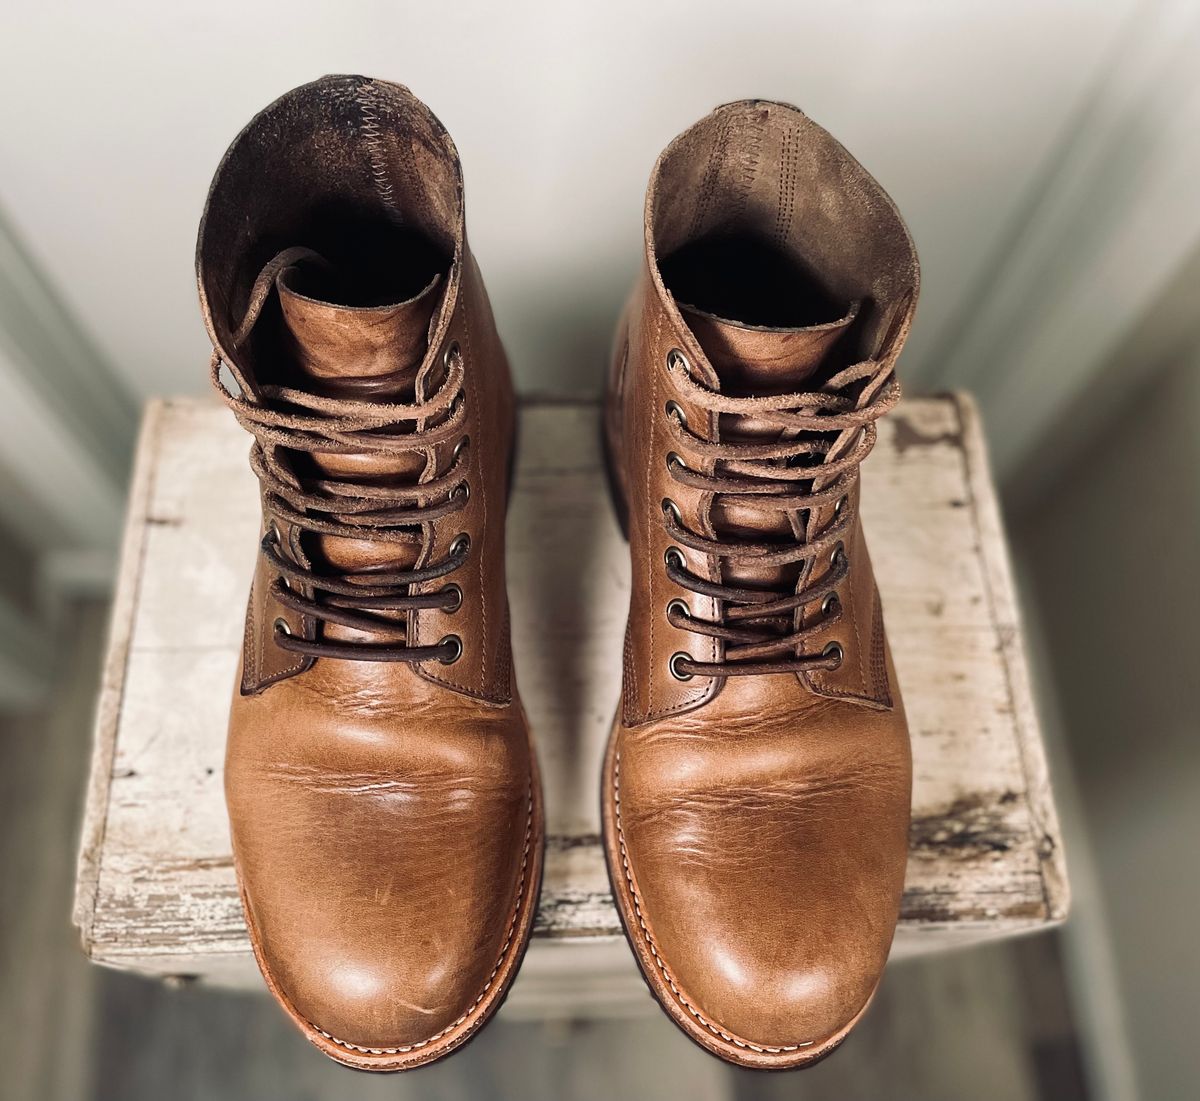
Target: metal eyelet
671,508
463,490
840,507
282,626
676,413
456,592
680,606
674,462
830,604
455,646
274,535
460,545
676,360
450,353
673,665
838,556
459,448
674,557
834,650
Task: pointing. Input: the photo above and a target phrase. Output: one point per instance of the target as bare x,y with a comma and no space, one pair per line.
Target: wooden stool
156,892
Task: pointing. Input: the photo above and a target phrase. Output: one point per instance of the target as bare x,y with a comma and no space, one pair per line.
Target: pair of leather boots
383,790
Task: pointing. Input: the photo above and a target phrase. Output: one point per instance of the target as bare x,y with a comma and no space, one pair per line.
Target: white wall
113,116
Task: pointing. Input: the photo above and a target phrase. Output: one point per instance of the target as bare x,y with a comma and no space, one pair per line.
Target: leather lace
814,463
286,418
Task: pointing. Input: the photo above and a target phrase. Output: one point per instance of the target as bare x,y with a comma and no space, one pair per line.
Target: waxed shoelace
803,470
282,418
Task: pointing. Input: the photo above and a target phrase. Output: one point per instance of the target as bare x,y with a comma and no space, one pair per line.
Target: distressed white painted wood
156,889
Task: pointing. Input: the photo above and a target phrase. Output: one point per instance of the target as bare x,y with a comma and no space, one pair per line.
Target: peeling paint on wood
156,888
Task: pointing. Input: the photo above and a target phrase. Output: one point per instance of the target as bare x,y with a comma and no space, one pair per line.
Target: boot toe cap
387,875
380,1005
763,905
747,996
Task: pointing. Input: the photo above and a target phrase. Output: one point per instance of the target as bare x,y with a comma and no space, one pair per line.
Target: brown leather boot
382,789
756,789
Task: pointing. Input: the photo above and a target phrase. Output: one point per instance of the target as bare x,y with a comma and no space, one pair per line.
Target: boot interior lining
358,170
796,203
749,279
371,262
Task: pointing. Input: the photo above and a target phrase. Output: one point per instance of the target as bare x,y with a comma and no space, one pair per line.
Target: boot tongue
361,353
755,360
327,341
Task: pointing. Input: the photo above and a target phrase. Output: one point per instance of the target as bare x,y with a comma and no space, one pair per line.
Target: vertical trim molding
67,423
67,427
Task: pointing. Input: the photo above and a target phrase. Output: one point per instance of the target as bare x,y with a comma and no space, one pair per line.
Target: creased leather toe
765,922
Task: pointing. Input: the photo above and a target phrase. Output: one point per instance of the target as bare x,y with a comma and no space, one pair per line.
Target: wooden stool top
156,890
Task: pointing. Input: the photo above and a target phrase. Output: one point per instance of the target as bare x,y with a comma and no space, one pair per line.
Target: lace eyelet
840,507
673,665
451,352
838,556
274,535
830,604
463,490
676,413
677,361
282,626
670,508
459,448
834,650
455,592
460,545
674,557
680,606
674,462
453,644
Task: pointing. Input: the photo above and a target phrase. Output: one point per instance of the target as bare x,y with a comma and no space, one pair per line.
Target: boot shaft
774,266
338,288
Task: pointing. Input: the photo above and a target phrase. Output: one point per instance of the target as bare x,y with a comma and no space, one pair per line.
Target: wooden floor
982,1023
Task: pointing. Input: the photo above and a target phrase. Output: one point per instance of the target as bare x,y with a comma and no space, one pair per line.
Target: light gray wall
113,117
